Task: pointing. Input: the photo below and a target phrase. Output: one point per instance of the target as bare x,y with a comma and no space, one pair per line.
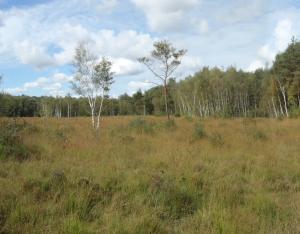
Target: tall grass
148,176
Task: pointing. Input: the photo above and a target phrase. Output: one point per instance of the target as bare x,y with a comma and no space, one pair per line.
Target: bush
259,135
141,126
177,200
46,188
189,118
295,113
254,132
170,125
199,131
11,141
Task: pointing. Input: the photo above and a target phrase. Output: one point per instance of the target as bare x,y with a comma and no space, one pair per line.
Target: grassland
149,176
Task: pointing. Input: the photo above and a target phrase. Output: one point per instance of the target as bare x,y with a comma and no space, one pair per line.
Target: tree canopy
272,92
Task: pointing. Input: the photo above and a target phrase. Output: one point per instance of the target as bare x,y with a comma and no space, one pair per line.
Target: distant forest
211,92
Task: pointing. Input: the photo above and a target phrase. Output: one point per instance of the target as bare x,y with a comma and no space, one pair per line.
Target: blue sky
38,38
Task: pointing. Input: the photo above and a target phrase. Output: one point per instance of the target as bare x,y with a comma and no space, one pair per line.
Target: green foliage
211,92
177,201
12,144
199,130
189,118
141,126
259,135
295,113
170,125
252,130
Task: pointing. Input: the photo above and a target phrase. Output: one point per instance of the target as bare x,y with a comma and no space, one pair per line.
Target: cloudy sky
38,37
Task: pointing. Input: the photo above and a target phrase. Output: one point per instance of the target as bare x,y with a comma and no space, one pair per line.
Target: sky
38,38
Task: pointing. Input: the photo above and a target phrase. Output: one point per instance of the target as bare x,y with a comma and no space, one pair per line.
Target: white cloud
126,67
61,77
255,65
200,25
14,91
107,5
282,36
203,26
46,35
266,53
39,83
243,10
134,86
189,65
52,85
166,15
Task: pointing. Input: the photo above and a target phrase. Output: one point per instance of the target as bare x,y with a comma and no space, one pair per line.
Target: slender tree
92,80
163,62
104,79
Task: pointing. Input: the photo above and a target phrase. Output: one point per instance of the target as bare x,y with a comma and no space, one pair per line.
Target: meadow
146,175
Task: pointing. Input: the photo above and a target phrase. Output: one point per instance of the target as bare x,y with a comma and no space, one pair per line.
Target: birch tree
163,62
92,80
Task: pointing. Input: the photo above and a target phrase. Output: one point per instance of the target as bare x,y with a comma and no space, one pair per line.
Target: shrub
259,135
295,113
255,133
252,130
199,131
45,188
169,125
177,201
189,118
141,126
90,198
12,143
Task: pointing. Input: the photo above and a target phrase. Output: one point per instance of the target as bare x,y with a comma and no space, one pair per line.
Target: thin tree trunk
166,99
93,118
274,107
283,92
285,101
281,110
99,113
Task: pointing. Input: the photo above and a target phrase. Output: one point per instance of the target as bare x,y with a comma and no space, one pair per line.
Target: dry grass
235,176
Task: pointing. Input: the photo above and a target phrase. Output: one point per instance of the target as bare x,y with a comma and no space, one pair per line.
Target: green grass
151,176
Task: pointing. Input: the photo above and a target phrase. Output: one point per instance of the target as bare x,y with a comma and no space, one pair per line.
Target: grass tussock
12,140
146,176
199,131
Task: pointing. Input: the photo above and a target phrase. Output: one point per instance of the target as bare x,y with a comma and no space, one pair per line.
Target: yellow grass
243,176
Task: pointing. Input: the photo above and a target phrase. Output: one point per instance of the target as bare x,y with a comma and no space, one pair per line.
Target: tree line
210,92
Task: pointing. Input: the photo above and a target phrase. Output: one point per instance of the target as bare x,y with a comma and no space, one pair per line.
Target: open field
187,176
